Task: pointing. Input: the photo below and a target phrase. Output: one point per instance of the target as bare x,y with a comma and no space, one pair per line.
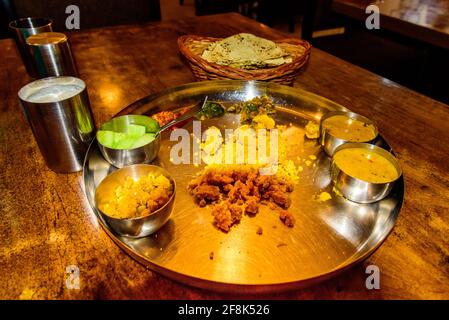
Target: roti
246,51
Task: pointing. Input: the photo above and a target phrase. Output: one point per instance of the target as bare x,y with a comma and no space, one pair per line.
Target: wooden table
424,20
46,223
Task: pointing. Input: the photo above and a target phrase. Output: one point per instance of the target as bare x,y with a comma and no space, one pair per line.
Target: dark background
414,64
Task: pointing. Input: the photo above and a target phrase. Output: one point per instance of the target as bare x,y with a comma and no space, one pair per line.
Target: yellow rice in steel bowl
138,198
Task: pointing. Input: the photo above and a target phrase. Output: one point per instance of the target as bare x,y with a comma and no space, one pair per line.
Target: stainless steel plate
327,238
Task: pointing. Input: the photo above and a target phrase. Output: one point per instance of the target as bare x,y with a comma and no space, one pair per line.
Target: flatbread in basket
244,57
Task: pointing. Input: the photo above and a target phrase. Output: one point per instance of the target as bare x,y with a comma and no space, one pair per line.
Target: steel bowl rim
49,22
157,136
123,116
166,174
351,115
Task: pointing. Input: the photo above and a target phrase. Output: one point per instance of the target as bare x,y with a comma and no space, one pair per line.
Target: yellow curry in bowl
350,129
366,165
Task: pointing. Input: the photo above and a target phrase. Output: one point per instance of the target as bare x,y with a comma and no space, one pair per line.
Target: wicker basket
192,48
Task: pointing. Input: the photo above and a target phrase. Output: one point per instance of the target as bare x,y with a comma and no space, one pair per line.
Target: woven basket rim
221,70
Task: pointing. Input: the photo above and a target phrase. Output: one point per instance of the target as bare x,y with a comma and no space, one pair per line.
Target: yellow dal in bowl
366,165
349,129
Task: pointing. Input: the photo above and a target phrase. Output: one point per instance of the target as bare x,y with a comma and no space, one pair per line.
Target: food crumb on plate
323,196
312,130
287,218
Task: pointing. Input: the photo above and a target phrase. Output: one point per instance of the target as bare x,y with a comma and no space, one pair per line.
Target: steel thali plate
328,237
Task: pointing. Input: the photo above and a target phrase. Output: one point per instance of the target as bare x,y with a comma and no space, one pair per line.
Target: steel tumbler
58,111
51,55
24,28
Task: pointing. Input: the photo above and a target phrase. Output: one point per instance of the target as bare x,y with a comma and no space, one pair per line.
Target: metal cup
330,143
124,157
140,226
51,55
58,111
23,28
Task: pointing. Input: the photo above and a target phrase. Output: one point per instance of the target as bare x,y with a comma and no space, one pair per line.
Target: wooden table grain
46,224
424,20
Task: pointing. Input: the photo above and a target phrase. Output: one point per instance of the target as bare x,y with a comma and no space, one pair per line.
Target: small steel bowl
358,190
124,157
140,226
329,142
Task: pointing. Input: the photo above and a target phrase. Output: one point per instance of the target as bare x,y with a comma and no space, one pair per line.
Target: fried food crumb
233,191
252,207
281,199
226,215
205,193
211,255
165,117
259,231
287,218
